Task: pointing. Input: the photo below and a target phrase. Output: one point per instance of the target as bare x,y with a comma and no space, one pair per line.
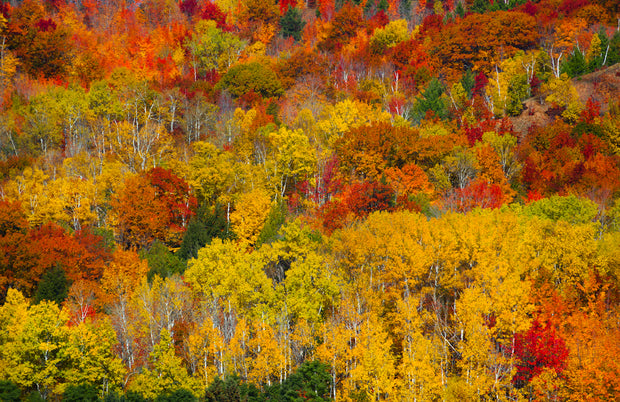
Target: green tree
180,395
253,76
161,261
310,382
208,223
232,389
9,391
575,64
292,23
571,209
213,49
432,100
80,393
53,286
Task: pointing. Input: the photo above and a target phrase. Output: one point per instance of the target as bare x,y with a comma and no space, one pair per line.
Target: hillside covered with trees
349,200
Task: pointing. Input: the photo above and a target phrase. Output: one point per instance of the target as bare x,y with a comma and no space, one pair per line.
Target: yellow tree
226,273
251,212
293,159
166,372
121,278
266,359
33,340
375,371
90,357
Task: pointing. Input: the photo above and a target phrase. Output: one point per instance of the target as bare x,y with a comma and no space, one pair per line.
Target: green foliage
460,10
571,209
432,100
129,396
404,9
292,23
518,90
613,55
232,390
9,391
161,261
254,77
80,393
479,6
208,223
53,286
275,220
213,49
575,64
310,382
468,81
180,395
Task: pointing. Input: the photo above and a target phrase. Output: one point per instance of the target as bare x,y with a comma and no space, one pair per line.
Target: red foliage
530,8
211,11
538,348
81,256
5,9
477,194
175,194
473,134
480,82
533,196
431,24
45,24
366,197
358,200
591,111
81,314
188,7
569,7
379,20
286,4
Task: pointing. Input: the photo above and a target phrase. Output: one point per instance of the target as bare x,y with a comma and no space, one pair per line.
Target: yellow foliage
563,93
251,211
338,118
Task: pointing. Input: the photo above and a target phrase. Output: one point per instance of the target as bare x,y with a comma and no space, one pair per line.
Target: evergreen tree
613,55
9,391
180,395
432,101
80,393
203,227
460,11
232,390
276,218
468,81
479,6
575,65
161,261
310,382
53,286
292,23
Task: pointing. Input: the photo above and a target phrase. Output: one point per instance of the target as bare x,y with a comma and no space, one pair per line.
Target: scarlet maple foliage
538,348
357,200
175,194
477,194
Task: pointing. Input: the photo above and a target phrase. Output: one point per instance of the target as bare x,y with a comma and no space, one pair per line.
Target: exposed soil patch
603,86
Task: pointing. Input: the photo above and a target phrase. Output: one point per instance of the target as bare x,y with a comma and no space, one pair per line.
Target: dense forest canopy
351,200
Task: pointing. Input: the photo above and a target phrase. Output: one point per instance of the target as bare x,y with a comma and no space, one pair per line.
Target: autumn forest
325,200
